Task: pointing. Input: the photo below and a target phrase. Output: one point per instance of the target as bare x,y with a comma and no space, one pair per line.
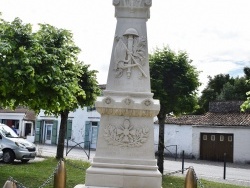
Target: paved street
238,174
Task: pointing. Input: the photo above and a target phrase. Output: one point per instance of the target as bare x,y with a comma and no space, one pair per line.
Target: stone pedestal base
122,177
84,186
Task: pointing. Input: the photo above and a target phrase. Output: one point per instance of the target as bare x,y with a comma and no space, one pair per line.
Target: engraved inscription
126,135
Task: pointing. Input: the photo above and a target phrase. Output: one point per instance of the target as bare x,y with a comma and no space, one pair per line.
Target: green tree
246,104
234,91
45,71
212,90
247,72
223,87
174,81
16,80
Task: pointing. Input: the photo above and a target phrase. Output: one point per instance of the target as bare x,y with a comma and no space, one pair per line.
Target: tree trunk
160,159
62,132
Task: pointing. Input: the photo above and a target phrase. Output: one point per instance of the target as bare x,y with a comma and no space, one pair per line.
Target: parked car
1,152
14,147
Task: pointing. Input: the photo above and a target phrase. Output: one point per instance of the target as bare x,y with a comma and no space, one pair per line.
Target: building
82,128
22,119
222,130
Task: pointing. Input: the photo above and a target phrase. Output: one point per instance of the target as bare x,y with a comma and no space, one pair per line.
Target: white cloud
215,34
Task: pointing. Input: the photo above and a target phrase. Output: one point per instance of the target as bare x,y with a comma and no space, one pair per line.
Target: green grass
33,175
178,182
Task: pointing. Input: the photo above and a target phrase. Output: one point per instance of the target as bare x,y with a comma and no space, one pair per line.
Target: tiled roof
210,118
28,114
183,120
221,113
226,119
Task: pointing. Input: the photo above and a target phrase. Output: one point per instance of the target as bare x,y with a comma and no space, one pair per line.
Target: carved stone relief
133,3
130,51
128,101
126,135
147,102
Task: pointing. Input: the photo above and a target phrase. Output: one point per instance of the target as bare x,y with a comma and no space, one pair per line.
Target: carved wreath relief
125,135
130,51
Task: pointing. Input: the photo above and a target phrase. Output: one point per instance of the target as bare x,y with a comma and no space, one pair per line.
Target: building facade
21,119
82,128
222,132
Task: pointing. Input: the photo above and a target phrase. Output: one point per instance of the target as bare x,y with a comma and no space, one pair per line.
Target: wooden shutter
86,136
54,132
38,131
69,129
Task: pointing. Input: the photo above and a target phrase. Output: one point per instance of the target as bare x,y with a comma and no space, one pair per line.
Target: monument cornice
127,106
132,8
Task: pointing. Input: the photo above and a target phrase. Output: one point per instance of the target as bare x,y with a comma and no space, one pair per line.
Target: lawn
35,174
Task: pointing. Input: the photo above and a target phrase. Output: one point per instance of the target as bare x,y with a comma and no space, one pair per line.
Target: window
212,137
204,137
221,138
230,138
94,123
4,121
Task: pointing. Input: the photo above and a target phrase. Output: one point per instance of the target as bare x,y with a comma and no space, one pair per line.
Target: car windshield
8,132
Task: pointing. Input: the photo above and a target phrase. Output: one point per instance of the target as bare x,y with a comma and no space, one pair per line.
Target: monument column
125,147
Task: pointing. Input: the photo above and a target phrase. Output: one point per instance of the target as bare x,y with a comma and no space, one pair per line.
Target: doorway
27,129
214,145
93,134
48,133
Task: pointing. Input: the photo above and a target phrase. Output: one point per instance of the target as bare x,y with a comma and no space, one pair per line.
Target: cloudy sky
215,33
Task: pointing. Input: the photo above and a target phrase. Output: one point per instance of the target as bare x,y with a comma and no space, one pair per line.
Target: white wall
241,140
180,135
15,116
78,117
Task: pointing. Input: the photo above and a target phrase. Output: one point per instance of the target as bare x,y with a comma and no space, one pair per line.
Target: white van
14,147
1,152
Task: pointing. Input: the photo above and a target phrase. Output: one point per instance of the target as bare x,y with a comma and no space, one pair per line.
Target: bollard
182,164
225,164
60,176
190,180
9,184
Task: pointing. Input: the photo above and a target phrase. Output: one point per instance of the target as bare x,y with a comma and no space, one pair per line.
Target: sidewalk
236,174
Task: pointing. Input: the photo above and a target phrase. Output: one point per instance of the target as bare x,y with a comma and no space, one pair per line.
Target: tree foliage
16,70
174,81
41,70
246,104
223,87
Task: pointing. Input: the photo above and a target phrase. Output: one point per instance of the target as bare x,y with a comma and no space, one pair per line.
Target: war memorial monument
125,147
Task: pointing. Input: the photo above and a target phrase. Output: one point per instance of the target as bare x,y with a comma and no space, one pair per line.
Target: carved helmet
131,31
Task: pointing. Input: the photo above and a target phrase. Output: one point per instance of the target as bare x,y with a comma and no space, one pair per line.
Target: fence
191,179
170,150
78,145
58,176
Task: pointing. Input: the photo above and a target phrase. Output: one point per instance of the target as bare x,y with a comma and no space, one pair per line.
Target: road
237,174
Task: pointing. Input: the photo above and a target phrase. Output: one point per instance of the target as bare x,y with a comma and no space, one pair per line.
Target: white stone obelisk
125,147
